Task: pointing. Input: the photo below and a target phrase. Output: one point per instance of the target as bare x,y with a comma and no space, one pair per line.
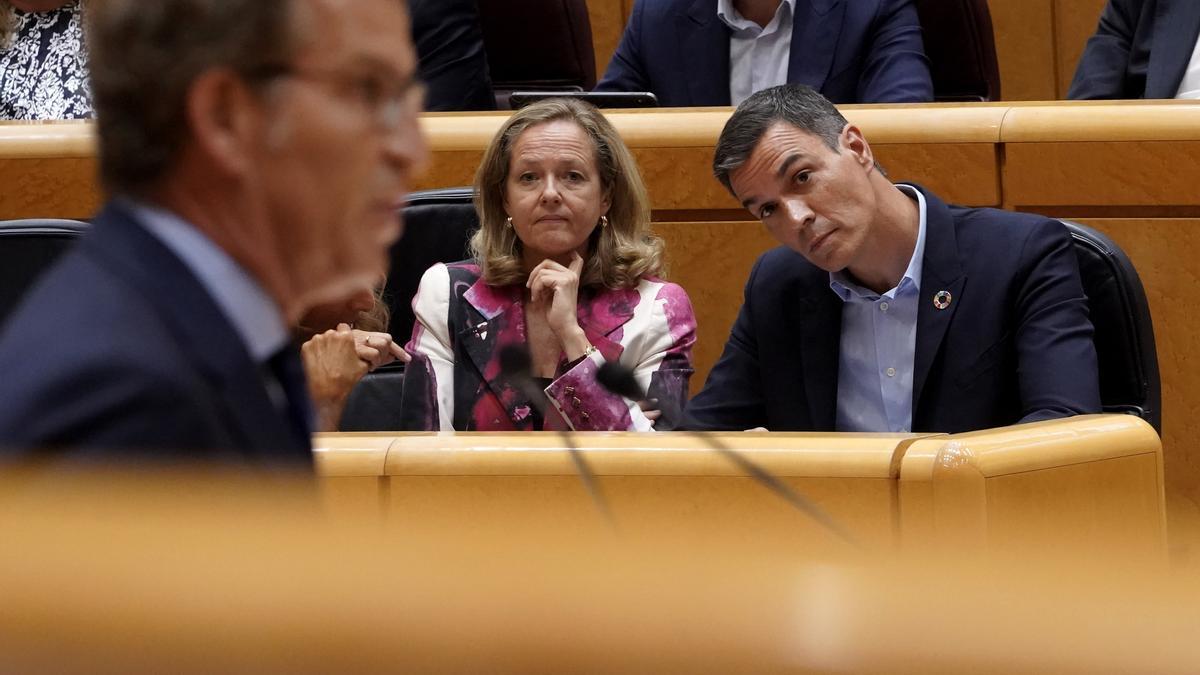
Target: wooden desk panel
1095,482
188,573
1088,174
1091,483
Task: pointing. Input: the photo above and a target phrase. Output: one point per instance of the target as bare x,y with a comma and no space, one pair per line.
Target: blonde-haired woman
43,61
564,265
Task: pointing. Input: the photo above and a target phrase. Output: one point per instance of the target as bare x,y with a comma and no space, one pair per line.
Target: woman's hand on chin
556,288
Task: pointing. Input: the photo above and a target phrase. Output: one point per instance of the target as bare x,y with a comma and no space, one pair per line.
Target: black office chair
27,249
437,226
561,29
1129,381
961,47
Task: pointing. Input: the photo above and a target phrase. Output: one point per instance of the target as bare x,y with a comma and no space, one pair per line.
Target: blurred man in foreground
254,154
887,309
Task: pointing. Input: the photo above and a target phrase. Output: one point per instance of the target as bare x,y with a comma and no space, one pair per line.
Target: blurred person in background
719,52
451,57
43,61
253,154
343,341
564,266
1141,49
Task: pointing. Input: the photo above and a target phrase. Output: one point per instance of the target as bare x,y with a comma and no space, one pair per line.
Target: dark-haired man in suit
886,309
718,52
254,153
1142,49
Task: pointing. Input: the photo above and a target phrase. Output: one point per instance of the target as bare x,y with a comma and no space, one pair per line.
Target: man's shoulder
781,266
661,9
997,227
81,311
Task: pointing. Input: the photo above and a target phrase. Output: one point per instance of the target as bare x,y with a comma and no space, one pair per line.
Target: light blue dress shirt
758,56
879,341
252,313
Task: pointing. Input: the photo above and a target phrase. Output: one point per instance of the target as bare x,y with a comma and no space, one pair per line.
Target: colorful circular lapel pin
942,299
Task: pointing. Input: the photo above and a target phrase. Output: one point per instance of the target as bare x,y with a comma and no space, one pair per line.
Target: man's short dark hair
144,57
797,104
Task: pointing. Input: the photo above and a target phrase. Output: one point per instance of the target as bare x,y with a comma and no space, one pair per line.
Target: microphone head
515,361
619,380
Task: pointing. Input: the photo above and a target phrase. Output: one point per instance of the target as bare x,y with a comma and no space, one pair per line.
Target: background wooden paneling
1074,23
1166,252
608,21
1024,32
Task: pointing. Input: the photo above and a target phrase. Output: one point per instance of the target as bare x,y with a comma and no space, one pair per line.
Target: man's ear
223,115
853,142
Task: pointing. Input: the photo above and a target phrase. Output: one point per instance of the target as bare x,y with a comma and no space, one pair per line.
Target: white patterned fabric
43,71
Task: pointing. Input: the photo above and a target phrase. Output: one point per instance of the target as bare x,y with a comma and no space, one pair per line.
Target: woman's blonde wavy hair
620,254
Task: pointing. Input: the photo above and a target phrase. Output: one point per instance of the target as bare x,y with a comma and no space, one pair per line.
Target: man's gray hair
796,104
144,57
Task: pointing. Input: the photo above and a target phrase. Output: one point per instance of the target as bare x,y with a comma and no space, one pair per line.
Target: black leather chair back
961,48
374,403
563,59
1129,381
437,226
28,248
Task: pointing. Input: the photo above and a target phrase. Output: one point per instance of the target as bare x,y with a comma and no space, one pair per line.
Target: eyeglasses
387,100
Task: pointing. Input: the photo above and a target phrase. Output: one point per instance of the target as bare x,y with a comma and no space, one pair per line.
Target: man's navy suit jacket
1014,345
1141,49
118,352
852,51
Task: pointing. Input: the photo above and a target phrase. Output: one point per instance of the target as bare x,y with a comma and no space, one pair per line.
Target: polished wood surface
1095,480
1038,44
186,572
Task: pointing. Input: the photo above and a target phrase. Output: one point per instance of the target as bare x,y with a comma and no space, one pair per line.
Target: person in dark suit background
1142,49
718,52
886,309
253,164
451,56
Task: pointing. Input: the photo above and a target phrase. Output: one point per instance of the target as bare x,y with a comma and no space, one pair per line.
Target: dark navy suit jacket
1140,50
852,51
451,56
1014,345
119,352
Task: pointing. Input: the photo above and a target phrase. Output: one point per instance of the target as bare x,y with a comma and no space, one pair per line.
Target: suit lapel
704,53
495,320
941,271
1176,25
204,333
819,316
816,28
